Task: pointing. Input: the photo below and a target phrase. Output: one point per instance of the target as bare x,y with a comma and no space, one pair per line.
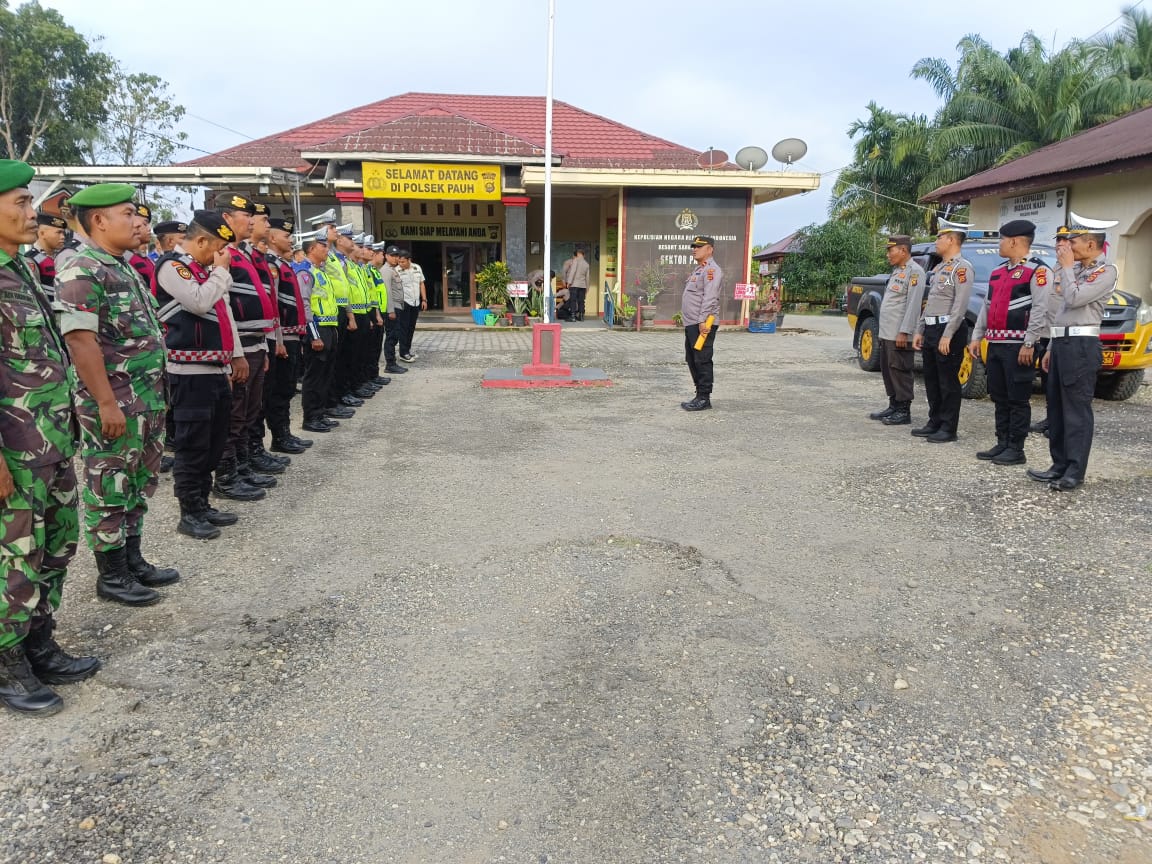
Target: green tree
879,189
1128,51
140,128
833,253
998,107
53,86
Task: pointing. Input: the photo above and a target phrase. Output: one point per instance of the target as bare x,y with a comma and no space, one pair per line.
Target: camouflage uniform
102,293
38,526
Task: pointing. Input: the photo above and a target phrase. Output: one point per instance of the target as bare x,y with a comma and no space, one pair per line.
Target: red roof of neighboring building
780,247
466,125
1103,149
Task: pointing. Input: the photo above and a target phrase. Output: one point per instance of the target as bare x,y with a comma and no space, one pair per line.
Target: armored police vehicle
1125,332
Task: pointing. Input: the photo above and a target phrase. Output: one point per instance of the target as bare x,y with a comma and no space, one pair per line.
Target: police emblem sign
437,181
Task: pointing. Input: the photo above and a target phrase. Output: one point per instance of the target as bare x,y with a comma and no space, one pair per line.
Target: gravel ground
481,626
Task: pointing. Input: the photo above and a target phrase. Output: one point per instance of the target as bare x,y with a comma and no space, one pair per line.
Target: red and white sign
517,289
746,291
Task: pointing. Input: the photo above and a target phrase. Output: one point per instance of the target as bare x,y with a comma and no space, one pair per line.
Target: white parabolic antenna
789,150
751,158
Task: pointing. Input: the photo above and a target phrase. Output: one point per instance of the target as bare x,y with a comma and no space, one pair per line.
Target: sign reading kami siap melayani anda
442,181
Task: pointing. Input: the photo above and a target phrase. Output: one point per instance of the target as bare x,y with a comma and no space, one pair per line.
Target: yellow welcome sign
441,181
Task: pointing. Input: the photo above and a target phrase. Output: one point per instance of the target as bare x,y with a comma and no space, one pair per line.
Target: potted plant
535,305
519,311
626,314
650,282
492,282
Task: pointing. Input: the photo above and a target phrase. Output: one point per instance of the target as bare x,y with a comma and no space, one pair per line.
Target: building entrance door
459,266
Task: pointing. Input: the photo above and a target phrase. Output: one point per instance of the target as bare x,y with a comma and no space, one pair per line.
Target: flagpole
549,298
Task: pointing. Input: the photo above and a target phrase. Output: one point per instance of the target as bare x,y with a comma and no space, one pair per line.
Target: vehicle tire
868,341
1119,386
973,377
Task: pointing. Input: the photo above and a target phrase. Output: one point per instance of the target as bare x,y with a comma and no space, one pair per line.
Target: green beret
14,174
103,195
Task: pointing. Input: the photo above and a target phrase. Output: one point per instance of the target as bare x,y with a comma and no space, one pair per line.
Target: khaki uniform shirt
702,293
949,290
900,308
1082,294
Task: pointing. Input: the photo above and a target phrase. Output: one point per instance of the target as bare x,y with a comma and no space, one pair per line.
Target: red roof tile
423,122
1099,150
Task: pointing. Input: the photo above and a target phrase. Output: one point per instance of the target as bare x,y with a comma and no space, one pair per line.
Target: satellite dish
711,157
751,158
789,150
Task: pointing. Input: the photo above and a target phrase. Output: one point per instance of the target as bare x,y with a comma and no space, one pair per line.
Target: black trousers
201,411
942,376
392,330
578,297
896,365
1010,387
280,387
247,403
348,352
318,372
411,313
700,362
375,346
1071,385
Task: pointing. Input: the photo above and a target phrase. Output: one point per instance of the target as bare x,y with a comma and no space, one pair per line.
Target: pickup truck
1125,332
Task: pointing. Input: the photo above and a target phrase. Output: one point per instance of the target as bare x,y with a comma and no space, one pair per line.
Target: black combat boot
992,452
261,460
117,583
394,368
926,431
51,663
145,573
318,424
700,403
229,483
901,416
351,401
885,412
340,412
166,463
382,380
300,442
20,689
220,518
1013,454
253,477
192,522
284,442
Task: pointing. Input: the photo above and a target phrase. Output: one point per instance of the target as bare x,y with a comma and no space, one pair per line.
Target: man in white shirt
574,277
415,300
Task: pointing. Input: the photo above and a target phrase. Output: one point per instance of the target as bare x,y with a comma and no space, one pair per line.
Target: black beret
212,222
145,211
226,202
172,227
1018,228
261,209
288,225
50,221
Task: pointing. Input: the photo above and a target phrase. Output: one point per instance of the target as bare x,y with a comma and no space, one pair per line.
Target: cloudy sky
708,73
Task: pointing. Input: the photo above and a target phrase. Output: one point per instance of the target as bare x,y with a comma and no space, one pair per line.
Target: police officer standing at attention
281,385
394,311
109,321
322,334
899,314
49,241
38,528
700,309
942,334
1074,354
1063,241
204,351
1013,318
139,261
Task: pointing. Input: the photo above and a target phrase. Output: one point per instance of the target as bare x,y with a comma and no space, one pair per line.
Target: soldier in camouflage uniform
38,526
109,319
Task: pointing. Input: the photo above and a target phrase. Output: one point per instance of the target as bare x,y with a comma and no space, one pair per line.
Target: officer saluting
1013,319
1074,354
899,314
950,286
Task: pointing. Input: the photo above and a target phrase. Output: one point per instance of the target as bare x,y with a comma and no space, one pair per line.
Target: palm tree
1128,51
999,107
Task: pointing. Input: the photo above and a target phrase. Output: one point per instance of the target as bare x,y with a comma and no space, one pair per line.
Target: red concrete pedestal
546,352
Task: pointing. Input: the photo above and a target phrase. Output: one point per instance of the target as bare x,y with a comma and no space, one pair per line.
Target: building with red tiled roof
460,180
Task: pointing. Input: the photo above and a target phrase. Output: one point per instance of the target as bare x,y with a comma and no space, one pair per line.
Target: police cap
392,250
212,222
103,195
899,240
171,227
260,209
229,202
1018,228
288,225
145,211
404,253
50,221
702,240
15,174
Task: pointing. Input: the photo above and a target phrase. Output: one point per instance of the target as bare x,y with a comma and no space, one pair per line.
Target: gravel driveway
587,627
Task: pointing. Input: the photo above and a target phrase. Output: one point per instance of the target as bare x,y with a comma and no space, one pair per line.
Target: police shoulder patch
915,280
711,273
1041,277
962,273
182,271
